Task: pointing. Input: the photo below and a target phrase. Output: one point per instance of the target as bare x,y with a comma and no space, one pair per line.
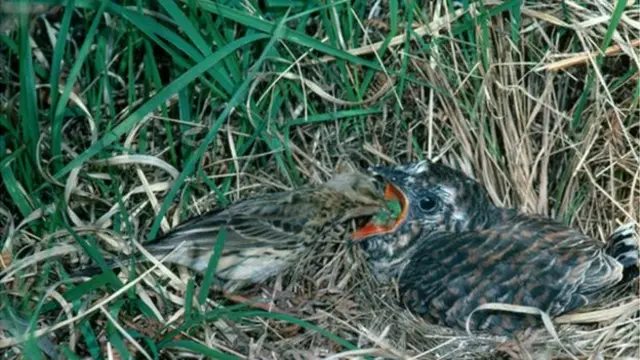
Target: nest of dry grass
510,123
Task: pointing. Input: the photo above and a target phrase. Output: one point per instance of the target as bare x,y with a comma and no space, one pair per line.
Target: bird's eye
428,203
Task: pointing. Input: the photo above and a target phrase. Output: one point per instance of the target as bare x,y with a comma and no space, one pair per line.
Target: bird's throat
372,228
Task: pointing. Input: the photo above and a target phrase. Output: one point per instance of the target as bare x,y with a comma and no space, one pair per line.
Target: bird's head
433,197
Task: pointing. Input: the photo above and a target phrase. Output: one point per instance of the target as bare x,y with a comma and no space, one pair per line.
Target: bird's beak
391,192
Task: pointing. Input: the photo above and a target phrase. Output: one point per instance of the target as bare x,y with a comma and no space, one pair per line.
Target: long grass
120,119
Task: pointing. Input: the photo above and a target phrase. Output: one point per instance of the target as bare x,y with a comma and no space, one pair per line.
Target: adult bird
452,250
267,234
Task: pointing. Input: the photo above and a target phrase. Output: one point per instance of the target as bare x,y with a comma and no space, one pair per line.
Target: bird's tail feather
624,245
193,231
158,250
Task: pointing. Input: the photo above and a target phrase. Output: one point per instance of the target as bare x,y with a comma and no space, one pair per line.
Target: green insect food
388,216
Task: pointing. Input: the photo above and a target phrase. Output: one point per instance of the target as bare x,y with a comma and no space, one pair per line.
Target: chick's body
454,250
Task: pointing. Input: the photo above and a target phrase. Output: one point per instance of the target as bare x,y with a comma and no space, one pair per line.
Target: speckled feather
266,234
466,252
527,261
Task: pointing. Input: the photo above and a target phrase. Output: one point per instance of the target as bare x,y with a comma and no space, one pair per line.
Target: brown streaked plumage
266,234
454,250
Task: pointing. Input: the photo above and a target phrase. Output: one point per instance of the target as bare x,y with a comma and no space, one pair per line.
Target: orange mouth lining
391,192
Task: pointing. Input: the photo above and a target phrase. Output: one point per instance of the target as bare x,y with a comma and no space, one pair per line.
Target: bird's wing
279,220
276,223
258,222
450,275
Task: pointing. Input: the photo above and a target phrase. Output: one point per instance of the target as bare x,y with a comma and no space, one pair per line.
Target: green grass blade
91,340
183,23
289,35
333,116
14,188
294,320
200,349
210,274
70,354
159,99
28,103
77,292
211,135
613,24
117,342
56,127
56,62
154,28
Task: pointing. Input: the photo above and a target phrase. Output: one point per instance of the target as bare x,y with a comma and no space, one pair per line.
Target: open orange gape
375,227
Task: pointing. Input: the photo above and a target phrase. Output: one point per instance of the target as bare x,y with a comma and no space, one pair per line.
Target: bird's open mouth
391,221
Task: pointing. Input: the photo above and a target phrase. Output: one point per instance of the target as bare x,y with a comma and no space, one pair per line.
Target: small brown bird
453,250
266,234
